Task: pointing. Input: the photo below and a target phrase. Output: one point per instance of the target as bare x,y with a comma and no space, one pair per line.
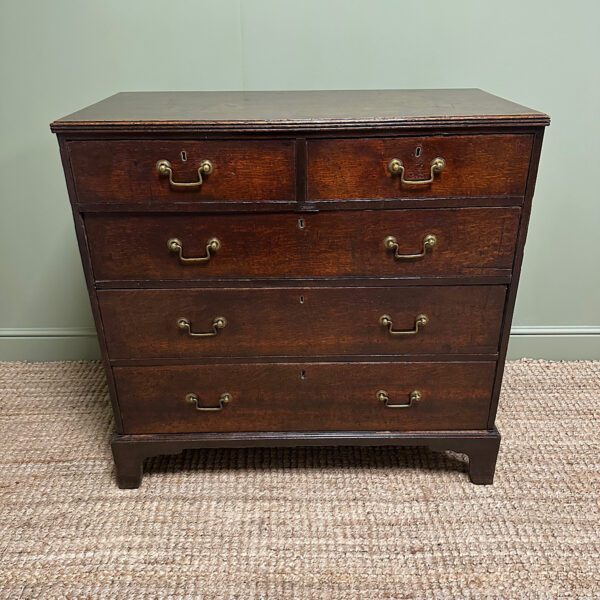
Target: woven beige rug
306,523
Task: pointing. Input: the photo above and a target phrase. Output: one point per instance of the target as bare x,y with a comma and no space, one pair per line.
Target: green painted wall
56,57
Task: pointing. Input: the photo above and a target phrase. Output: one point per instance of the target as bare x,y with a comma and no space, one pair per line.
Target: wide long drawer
194,323
465,242
305,397
419,167
169,172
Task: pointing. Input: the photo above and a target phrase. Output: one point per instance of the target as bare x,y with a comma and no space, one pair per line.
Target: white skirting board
49,344
555,343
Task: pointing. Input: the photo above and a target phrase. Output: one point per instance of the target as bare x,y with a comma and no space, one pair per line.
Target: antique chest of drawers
302,268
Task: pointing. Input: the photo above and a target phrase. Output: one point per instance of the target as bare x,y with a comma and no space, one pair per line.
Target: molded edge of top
280,111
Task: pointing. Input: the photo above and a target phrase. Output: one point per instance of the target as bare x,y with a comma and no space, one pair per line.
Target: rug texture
317,523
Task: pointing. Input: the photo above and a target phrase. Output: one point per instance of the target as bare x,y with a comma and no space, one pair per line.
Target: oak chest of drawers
302,268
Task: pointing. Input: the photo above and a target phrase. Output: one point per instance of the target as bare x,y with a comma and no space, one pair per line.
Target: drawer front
469,242
305,397
473,165
126,171
141,324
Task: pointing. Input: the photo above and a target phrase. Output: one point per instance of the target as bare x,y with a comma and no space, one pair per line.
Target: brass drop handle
396,167
414,397
175,245
217,324
420,321
223,400
391,243
165,169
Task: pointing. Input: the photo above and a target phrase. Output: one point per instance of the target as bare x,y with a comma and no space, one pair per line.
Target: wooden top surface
305,110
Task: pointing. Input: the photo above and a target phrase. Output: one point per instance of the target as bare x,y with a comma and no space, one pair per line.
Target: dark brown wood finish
302,321
126,171
480,446
304,279
87,269
314,111
512,292
471,242
475,165
306,397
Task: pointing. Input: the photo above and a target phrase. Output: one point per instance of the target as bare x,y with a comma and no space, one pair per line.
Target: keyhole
301,224
183,155
301,299
303,374
418,151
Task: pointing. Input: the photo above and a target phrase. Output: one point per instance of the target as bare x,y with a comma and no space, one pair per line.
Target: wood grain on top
283,110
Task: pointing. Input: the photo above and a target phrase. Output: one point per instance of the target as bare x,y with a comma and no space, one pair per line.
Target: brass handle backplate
165,169
396,167
217,324
223,400
391,243
175,245
414,397
420,321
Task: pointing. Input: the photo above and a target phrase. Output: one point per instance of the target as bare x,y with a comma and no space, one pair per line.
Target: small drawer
465,242
174,172
418,167
246,322
305,397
